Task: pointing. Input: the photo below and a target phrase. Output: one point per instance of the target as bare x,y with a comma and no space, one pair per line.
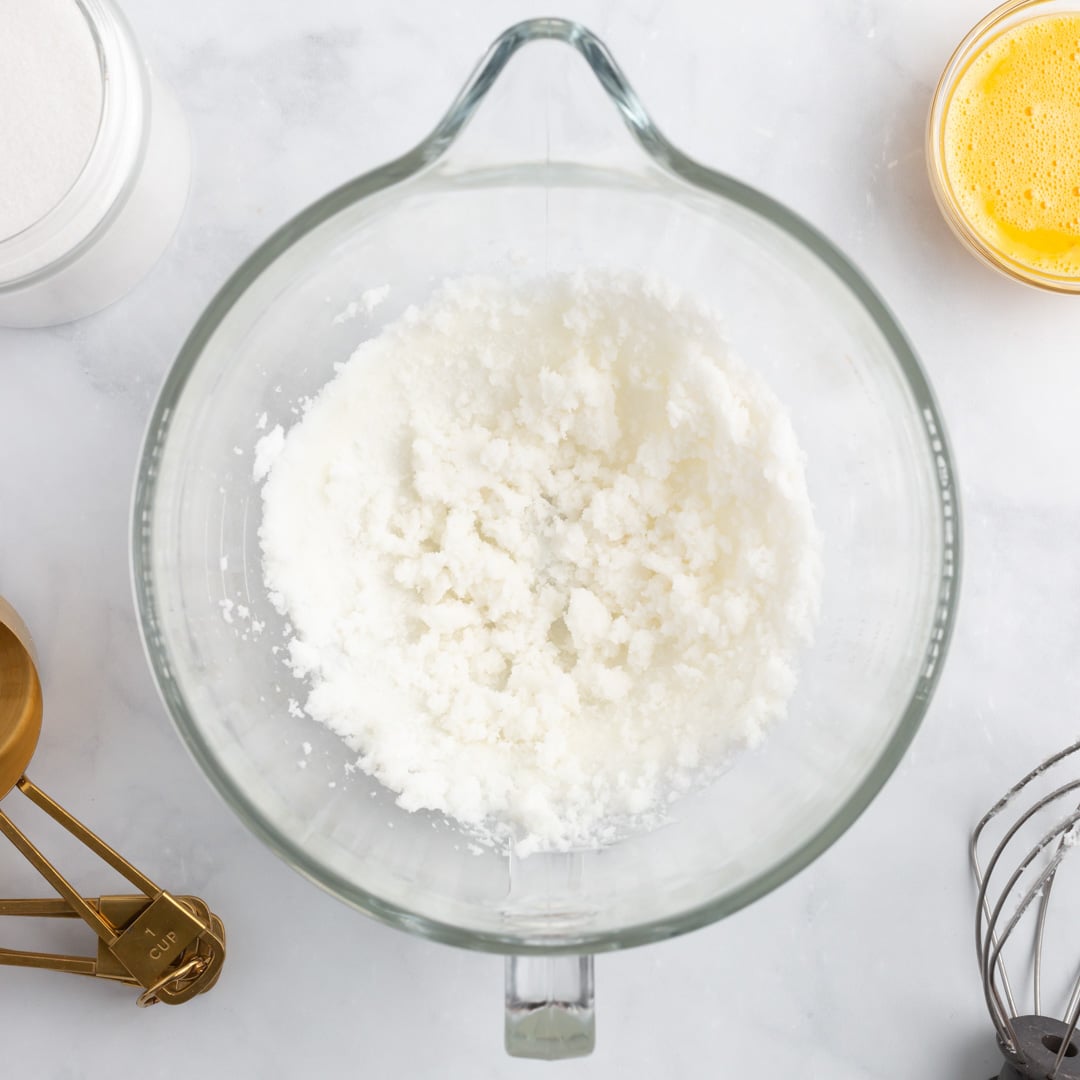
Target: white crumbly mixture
547,553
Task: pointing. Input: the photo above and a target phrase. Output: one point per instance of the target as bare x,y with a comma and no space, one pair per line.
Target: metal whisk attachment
1041,825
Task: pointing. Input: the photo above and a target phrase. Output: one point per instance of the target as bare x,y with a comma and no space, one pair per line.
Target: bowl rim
675,163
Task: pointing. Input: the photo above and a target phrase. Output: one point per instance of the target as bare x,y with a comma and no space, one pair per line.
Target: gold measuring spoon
173,947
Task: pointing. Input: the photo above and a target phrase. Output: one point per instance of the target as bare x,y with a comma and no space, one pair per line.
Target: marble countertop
821,105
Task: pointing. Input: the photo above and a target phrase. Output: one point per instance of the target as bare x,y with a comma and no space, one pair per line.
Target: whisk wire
1074,998
1071,1017
1040,935
991,939
991,944
983,910
992,951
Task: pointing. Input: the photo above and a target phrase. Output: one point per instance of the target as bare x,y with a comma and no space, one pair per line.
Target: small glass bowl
998,21
116,219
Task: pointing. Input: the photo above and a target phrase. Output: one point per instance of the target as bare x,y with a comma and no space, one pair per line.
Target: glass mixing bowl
546,181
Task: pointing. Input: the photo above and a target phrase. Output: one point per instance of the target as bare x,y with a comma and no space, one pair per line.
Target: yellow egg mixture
1012,144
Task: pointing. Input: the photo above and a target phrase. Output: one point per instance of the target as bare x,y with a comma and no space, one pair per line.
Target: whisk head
1038,820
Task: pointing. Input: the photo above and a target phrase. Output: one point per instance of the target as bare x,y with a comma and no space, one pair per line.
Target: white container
114,222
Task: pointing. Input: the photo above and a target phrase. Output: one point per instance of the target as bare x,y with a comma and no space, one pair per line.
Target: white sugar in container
94,160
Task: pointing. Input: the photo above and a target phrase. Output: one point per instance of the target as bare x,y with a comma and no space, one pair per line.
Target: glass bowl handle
484,76
549,1007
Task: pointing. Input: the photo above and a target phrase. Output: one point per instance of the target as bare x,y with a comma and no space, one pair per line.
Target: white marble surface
862,967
